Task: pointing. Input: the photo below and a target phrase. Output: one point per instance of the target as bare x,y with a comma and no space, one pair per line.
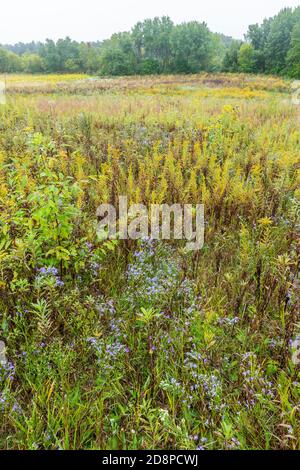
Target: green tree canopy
158,46
293,58
192,47
246,58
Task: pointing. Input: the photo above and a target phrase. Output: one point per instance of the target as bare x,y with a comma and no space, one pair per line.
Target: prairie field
140,344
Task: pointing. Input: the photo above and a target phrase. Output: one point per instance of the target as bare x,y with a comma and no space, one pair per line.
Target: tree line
158,46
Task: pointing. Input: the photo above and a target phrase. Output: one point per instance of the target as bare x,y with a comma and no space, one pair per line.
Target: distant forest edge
158,46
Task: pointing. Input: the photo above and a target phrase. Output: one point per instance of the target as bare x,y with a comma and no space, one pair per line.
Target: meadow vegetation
139,344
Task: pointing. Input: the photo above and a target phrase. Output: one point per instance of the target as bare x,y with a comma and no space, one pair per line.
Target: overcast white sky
89,20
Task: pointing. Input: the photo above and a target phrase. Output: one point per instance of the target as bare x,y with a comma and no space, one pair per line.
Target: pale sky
91,20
